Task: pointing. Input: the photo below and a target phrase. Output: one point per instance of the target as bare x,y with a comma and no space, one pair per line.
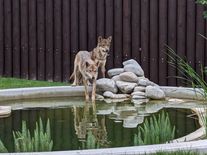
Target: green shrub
24,142
188,73
203,2
155,130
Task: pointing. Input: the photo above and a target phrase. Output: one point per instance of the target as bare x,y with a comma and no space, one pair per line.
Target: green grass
6,83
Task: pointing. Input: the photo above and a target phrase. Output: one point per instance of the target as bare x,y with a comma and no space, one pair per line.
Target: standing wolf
86,65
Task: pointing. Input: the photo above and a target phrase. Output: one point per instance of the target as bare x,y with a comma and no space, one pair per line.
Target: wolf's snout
93,78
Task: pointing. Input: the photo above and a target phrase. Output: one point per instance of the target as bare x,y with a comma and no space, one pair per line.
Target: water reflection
90,130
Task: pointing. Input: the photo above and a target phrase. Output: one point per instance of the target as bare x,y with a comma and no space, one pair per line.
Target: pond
114,124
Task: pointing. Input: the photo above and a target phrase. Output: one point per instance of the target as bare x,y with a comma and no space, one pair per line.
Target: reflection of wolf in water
86,123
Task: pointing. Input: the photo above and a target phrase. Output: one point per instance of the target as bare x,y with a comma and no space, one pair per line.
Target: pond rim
78,91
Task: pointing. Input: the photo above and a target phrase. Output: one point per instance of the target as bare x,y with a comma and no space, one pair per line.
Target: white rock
115,96
125,87
139,88
145,82
115,71
133,121
137,97
154,92
139,101
106,84
130,61
128,77
99,97
116,78
139,93
135,69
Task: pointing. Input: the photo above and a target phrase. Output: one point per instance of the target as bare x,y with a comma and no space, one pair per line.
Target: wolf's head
103,46
91,70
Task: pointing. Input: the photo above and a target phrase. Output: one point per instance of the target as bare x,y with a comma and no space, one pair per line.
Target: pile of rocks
129,82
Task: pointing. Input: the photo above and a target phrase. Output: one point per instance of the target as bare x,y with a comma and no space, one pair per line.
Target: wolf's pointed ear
110,38
87,64
99,39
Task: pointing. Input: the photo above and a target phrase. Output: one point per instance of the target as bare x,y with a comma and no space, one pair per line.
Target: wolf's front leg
94,91
103,71
86,90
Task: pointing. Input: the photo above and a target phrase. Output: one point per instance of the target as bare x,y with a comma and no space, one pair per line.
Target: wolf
99,54
85,69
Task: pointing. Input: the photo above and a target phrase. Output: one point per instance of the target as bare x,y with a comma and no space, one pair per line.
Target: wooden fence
39,38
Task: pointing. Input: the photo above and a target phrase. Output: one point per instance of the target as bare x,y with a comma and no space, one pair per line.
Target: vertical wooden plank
49,39
181,35
24,38
32,40
66,40
191,32
172,24
200,44
74,31
136,23
1,37
8,37
41,39
83,24
162,42
109,30
154,41
118,33
91,24
57,41
100,18
16,38
145,36
126,29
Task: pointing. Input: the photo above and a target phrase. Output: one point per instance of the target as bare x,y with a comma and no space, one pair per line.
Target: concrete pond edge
78,91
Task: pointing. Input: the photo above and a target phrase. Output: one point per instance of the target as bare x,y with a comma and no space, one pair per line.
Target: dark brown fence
39,38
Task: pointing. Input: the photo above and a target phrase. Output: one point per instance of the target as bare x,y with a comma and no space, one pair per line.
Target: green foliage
24,142
188,73
3,148
155,130
203,2
6,83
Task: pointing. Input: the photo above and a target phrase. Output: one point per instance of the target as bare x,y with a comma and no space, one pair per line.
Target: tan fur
94,59
86,69
100,53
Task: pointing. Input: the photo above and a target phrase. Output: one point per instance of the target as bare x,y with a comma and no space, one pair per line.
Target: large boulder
106,84
125,87
145,82
128,77
116,78
115,96
154,92
132,66
139,88
115,71
135,69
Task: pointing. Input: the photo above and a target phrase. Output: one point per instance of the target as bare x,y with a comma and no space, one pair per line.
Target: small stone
106,84
139,93
130,61
139,88
99,97
125,87
116,78
128,77
138,97
115,96
115,71
136,69
154,92
145,82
